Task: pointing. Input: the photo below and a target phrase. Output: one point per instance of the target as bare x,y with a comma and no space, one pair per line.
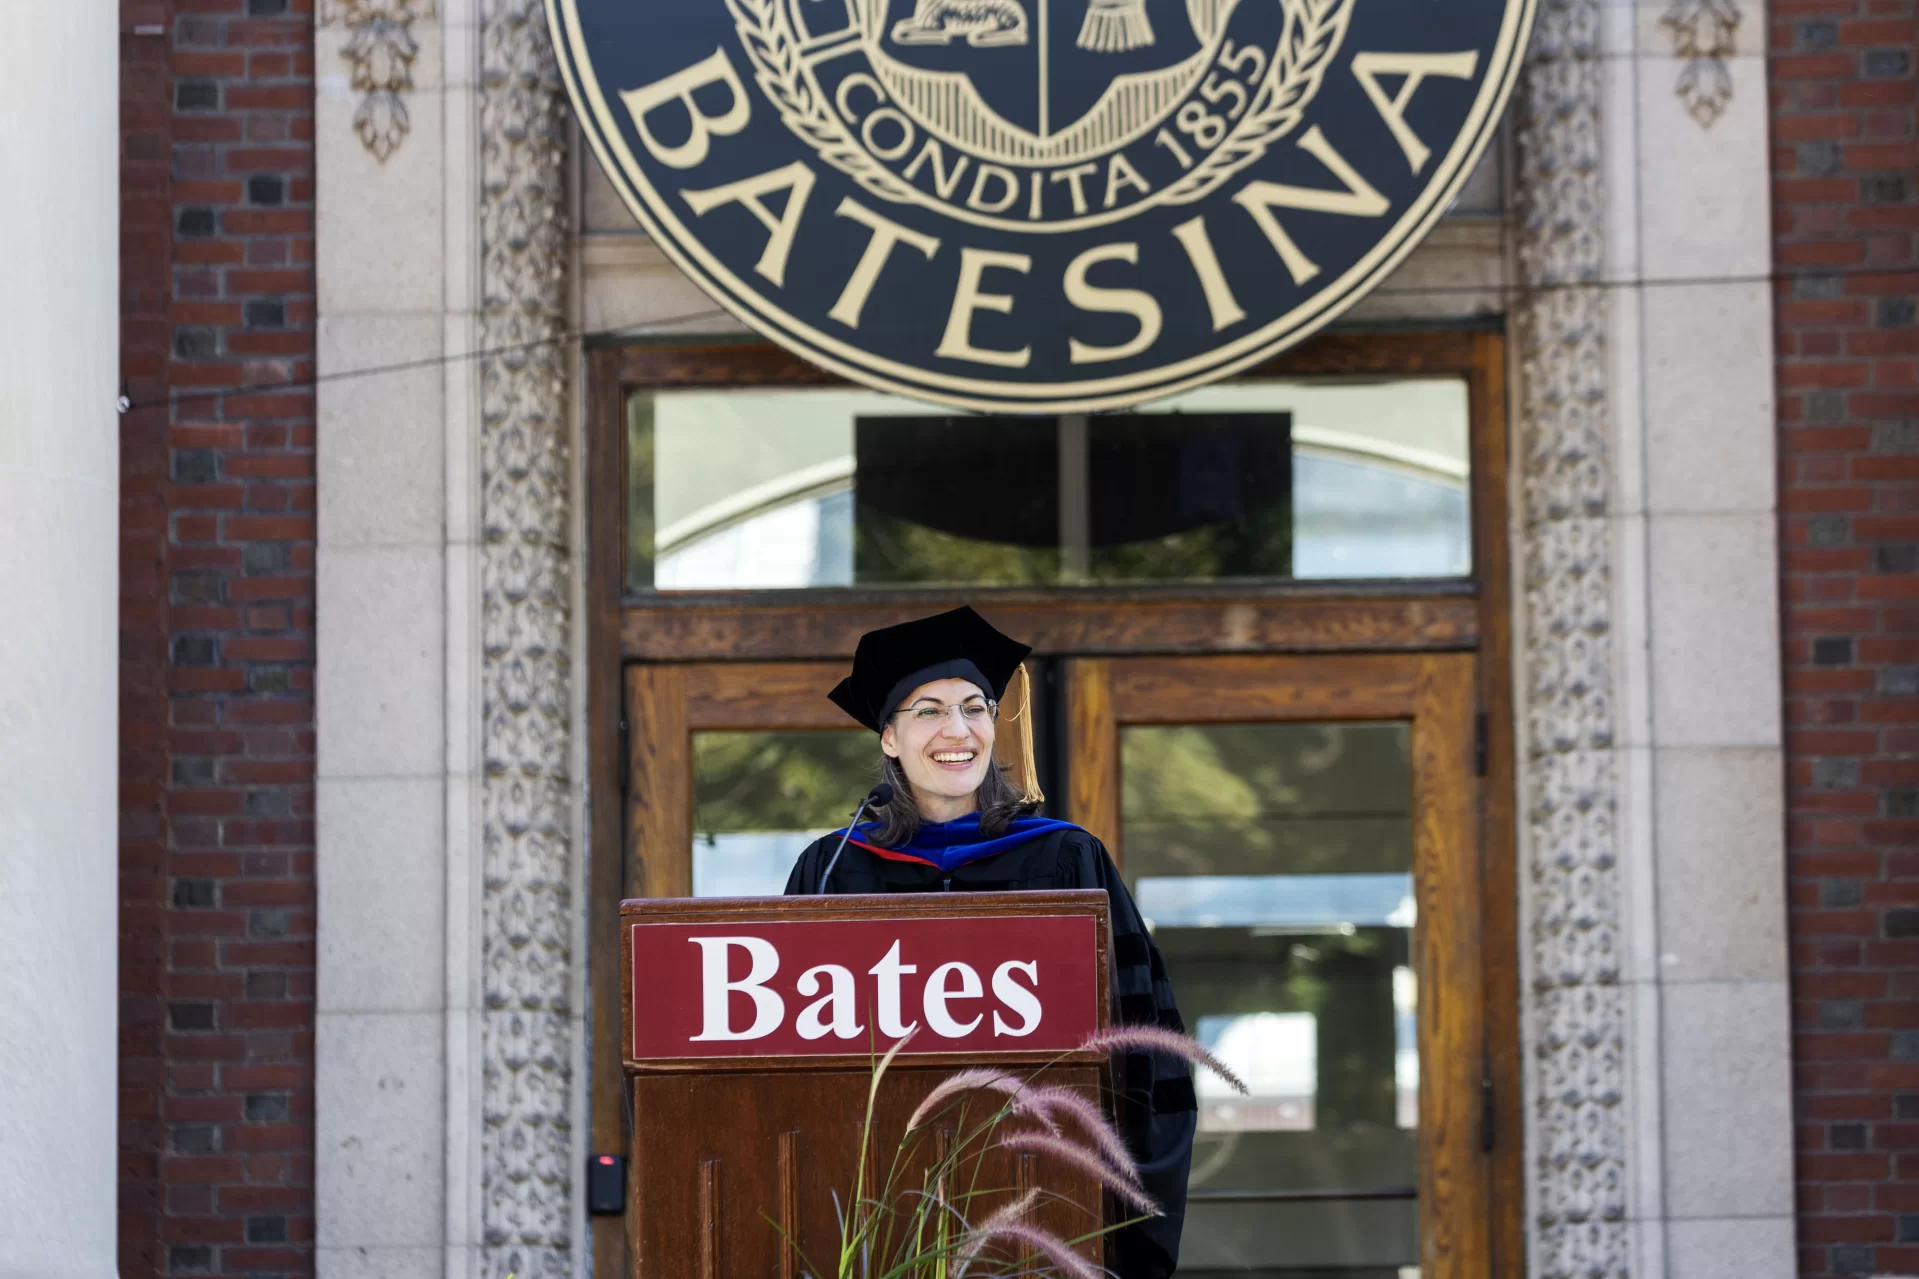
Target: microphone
879,797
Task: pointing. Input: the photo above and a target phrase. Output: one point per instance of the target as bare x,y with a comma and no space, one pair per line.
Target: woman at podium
954,821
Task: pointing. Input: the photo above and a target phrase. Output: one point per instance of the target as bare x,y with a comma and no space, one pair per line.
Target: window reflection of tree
1262,799
1258,544
779,781
887,548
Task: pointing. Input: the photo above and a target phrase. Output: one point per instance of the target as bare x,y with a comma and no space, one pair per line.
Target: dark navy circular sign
1038,205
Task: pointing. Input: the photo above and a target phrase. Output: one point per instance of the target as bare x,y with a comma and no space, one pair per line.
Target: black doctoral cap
893,661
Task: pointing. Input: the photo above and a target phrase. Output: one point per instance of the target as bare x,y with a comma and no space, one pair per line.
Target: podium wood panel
719,1158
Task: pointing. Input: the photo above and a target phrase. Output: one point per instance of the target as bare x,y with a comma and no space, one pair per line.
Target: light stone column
59,597
390,1066
1696,532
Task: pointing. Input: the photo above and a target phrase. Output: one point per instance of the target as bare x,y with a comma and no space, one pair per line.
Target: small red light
606,1159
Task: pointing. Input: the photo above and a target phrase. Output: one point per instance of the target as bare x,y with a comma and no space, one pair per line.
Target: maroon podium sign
751,1027
818,987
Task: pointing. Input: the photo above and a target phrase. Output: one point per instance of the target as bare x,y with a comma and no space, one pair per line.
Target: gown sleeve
1157,1110
804,879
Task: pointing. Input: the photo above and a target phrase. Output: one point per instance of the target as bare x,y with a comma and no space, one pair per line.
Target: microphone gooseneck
879,797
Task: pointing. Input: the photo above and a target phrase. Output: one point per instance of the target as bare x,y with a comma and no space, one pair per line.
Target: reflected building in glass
767,489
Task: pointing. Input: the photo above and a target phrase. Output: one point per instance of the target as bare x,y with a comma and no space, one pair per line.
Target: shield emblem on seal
1039,66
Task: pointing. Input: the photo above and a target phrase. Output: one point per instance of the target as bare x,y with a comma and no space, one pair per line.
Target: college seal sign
1038,205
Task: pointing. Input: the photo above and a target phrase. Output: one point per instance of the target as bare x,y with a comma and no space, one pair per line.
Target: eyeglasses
974,711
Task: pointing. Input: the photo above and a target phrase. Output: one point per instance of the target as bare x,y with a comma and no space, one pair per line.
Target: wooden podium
750,1030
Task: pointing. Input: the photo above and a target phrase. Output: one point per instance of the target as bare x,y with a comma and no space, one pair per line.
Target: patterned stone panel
1569,774
527,797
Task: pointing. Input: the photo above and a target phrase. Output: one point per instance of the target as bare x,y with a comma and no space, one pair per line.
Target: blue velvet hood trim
948,845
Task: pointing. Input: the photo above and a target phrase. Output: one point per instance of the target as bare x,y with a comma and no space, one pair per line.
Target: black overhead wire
567,338
1508,293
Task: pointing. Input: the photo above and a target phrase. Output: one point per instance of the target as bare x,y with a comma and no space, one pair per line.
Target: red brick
1857,1166
203,1169
279,97
1850,1106
1875,93
1813,66
252,1200
1831,467
172,830
1822,253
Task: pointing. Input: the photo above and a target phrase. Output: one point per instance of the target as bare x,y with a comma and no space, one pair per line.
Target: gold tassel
1114,26
1028,766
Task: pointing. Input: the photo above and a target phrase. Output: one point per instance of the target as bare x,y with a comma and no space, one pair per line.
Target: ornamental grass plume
978,1080
1052,1101
1155,1039
920,1225
1061,1259
1124,1184
1018,1210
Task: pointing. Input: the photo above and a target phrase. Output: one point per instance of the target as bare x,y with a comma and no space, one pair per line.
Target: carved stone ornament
380,47
1575,1006
527,908
1702,32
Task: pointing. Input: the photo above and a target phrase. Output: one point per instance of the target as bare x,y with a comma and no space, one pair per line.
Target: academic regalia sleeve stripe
1130,950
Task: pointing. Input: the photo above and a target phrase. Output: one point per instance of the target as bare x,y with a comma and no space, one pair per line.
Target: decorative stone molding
1569,784
1702,33
527,908
381,49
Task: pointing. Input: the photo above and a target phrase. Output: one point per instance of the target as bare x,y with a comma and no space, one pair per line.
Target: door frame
1472,617
1437,694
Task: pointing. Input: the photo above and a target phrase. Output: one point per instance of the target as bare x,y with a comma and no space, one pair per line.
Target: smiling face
942,735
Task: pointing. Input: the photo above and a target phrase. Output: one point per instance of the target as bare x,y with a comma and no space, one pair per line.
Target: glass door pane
759,798
1274,865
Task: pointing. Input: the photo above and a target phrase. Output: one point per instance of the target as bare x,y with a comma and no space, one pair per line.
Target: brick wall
1846,225
217,923
146,110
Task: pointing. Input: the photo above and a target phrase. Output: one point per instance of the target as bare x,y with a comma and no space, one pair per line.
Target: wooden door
1255,804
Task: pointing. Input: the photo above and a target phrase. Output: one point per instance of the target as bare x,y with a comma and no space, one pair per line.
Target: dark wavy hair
1000,801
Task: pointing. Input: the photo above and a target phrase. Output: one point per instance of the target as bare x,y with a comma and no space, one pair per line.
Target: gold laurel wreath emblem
768,35
1311,35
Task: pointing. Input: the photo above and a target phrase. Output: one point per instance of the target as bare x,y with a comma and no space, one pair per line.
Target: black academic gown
1157,1112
